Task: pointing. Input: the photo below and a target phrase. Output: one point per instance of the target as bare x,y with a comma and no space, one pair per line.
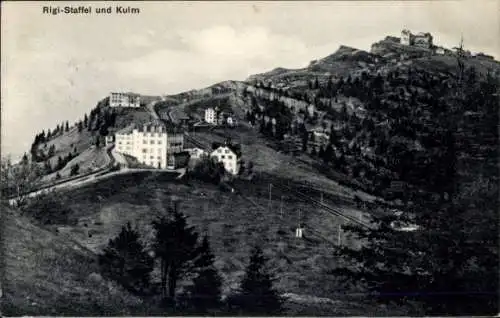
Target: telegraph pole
270,190
281,207
339,238
300,217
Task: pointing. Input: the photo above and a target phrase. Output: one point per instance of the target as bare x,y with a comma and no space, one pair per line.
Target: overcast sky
56,67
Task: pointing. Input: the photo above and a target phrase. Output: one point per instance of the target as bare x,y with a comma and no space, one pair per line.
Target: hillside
362,132
48,273
234,222
69,145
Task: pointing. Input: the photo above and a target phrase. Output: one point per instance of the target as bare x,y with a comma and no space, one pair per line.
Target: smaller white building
110,139
231,121
210,116
230,158
124,100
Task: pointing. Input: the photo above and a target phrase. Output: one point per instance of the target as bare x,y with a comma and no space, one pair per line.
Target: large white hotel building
124,100
152,144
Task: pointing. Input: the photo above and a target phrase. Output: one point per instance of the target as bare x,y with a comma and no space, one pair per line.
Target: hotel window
229,157
226,151
223,157
219,150
144,150
159,142
159,157
151,157
144,141
152,142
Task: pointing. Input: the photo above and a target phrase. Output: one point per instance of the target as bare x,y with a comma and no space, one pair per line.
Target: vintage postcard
249,158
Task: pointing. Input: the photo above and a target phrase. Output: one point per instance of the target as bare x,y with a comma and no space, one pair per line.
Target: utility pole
270,190
281,207
339,238
300,217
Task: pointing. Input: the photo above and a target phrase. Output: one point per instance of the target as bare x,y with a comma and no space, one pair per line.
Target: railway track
325,207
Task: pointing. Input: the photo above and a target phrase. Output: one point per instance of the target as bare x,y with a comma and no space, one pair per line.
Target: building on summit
421,39
124,100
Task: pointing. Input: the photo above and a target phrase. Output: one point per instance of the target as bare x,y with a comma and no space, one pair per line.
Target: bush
74,170
209,170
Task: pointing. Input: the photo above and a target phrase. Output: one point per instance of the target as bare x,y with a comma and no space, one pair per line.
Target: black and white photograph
250,158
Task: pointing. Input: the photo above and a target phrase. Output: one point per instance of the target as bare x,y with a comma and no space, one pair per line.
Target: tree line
180,255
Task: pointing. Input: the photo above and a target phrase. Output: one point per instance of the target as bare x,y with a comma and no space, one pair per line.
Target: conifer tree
125,261
256,295
60,163
176,247
205,293
52,151
25,159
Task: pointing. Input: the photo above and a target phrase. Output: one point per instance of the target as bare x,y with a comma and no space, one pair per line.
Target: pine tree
305,140
74,169
67,126
25,159
256,295
176,247
47,167
125,261
205,293
52,151
60,163
85,120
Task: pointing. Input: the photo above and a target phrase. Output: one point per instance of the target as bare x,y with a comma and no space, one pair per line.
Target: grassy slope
67,141
47,273
234,223
88,160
